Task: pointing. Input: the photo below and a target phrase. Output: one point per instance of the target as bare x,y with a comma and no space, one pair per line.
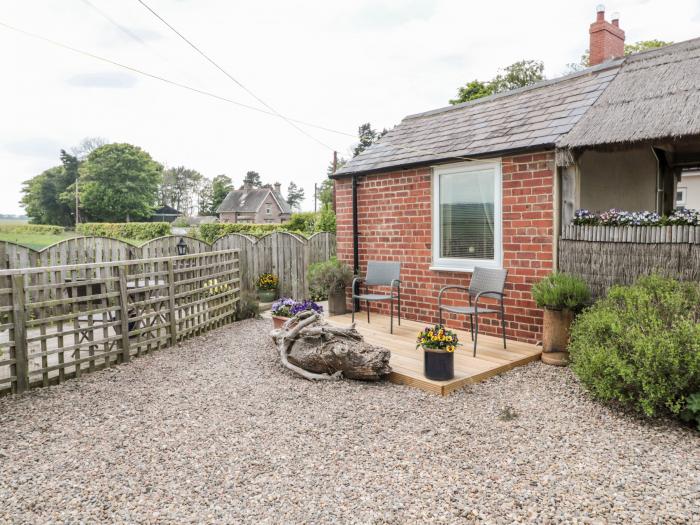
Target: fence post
171,303
124,317
19,315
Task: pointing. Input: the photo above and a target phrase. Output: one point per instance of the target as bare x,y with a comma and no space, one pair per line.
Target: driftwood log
314,349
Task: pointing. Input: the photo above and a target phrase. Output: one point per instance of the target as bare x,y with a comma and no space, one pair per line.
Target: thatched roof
655,96
533,117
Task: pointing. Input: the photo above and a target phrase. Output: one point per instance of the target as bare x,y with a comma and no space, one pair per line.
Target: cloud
384,14
113,80
41,147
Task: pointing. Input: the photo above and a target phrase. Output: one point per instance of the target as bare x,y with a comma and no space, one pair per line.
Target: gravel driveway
215,431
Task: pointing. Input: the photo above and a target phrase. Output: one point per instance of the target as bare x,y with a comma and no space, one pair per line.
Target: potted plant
329,279
561,296
266,285
439,345
284,308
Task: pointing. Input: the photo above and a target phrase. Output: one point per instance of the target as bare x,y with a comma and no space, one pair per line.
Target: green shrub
640,345
48,229
248,307
138,231
325,222
304,222
691,412
326,277
561,290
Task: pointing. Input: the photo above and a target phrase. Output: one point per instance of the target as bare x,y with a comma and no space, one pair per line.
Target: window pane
466,215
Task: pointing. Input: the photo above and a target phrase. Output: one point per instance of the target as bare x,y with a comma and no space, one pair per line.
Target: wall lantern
181,247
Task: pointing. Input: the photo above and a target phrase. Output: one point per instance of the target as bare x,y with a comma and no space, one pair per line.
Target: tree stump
314,349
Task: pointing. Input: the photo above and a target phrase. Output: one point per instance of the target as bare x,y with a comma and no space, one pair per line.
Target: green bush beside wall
138,231
46,229
640,346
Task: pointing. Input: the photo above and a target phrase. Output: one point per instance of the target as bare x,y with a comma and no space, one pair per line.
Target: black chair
379,274
486,282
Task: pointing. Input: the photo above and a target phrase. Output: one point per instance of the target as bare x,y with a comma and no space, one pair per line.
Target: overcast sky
333,63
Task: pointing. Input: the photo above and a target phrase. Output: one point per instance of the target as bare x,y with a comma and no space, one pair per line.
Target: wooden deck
407,362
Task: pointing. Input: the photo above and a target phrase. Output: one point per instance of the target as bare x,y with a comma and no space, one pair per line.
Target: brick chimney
607,39
247,186
278,188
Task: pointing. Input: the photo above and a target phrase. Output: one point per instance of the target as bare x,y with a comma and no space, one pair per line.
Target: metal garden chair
379,274
486,282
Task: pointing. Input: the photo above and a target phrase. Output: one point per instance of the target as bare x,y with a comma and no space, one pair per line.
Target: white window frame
468,265
268,210
683,190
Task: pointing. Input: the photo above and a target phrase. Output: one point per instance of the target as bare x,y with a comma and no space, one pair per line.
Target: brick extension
395,223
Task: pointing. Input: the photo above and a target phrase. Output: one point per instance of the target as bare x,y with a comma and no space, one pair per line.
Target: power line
210,94
231,77
163,79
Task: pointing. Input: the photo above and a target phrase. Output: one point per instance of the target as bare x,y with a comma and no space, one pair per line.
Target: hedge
138,231
47,229
210,232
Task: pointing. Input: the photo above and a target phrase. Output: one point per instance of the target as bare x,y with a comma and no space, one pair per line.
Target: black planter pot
438,366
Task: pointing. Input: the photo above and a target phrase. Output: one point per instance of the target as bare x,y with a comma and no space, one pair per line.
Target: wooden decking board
407,361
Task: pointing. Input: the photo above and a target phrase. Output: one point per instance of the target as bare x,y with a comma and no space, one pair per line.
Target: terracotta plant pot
438,365
267,296
555,336
336,303
278,321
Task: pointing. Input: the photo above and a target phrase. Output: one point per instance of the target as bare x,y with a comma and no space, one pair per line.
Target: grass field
37,241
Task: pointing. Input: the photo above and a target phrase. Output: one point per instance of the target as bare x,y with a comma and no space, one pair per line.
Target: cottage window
268,210
467,216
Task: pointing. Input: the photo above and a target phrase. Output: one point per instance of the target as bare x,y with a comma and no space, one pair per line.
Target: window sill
460,269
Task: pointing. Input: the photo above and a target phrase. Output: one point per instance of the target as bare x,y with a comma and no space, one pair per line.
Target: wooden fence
609,255
284,254
61,321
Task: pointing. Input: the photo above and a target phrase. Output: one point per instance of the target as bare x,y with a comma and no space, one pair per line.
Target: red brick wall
394,215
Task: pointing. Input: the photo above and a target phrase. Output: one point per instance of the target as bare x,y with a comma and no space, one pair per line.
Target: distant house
165,214
255,205
688,189
492,182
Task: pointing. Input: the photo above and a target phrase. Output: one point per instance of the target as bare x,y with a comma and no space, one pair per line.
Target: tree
295,195
204,198
253,178
368,136
472,90
41,197
645,45
180,187
220,187
87,145
519,74
119,182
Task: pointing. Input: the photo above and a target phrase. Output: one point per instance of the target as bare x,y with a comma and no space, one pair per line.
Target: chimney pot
616,19
278,187
600,12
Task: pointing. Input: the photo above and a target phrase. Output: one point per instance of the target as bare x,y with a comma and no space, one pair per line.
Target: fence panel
63,321
609,255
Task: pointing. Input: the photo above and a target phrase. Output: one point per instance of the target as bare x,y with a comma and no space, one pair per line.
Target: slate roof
251,200
655,95
527,118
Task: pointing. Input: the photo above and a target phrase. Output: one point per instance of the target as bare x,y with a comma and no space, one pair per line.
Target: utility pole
77,202
335,168
315,196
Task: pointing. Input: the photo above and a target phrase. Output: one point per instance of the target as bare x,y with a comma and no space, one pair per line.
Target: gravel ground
215,431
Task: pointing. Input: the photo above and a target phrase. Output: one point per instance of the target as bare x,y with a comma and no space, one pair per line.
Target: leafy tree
295,195
472,90
220,187
119,182
204,198
179,188
41,197
645,45
253,178
368,136
519,74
